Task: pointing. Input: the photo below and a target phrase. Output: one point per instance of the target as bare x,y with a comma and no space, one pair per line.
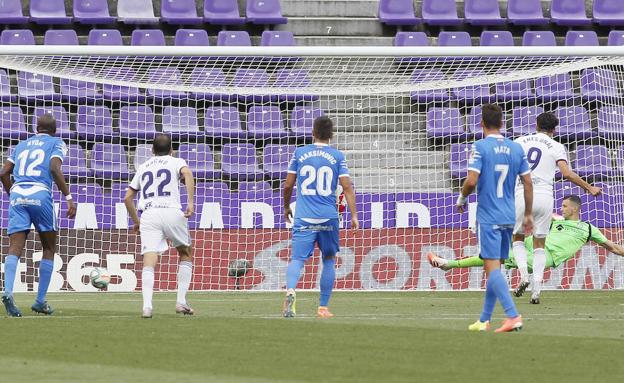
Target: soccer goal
405,118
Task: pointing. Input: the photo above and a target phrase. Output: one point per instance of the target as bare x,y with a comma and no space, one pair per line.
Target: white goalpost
404,118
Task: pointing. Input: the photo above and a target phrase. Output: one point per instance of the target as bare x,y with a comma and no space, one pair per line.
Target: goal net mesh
404,123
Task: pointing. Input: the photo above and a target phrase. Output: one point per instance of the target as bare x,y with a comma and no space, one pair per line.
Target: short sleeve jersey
32,158
157,181
543,153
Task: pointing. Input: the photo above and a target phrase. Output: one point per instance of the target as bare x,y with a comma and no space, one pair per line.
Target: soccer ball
99,277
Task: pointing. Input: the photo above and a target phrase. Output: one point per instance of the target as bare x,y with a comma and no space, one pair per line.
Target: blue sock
10,269
490,301
294,272
45,275
501,289
328,276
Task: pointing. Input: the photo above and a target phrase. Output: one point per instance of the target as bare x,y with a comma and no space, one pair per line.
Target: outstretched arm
571,176
59,179
5,176
613,248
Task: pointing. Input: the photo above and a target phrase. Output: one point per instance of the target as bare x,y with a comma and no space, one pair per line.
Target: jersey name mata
157,181
31,159
543,153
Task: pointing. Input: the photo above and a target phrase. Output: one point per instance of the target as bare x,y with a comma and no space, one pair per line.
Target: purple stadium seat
514,91
148,37
222,12
109,161
573,123
179,12
180,122
92,12
252,78
275,159
411,39
142,153
458,160
105,37
539,39
581,38
482,12
426,75
608,12
5,88
199,159
445,123
170,76
592,161
479,94
569,13
94,123
12,123
192,37
137,121
397,12
611,122
277,39
208,77
255,187
223,122
61,116
75,163
265,12
524,120
599,84
526,12
302,118
17,37
239,162
554,88
234,38
121,92
296,79
80,90
11,12
454,39
49,12
496,38
136,12
440,12
36,87
616,38
473,122
265,122
60,37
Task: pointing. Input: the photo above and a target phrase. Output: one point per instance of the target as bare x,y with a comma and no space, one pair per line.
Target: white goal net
404,121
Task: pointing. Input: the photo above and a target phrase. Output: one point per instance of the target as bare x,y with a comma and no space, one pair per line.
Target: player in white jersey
162,218
545,157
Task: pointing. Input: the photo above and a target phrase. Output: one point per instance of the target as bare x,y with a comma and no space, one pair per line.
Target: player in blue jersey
317,169
493,168
34,164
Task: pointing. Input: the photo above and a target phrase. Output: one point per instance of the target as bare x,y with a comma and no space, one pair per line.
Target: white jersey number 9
323,177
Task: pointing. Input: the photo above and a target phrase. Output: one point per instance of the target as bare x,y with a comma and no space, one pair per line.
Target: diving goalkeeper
565,239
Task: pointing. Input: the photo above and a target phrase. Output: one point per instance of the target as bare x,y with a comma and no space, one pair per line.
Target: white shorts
542,214
161,224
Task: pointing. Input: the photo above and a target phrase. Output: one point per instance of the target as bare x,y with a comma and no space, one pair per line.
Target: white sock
520,254
147,286
185,272
539,263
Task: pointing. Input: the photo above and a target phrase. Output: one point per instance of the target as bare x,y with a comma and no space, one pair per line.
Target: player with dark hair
34,164
494,165
317,169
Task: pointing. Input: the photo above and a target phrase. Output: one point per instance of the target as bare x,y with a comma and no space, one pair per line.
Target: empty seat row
146,37
176,12
139,122
574,122
505,38
32,87
487,13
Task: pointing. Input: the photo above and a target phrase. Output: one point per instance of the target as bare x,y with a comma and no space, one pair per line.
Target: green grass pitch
375,337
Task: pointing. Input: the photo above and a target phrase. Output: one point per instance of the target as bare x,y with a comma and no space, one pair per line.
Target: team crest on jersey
471,158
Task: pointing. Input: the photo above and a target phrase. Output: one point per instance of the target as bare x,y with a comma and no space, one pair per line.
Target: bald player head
162,145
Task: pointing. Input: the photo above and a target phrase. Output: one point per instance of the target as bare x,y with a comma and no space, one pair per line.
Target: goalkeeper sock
501,289
328,276
46,266
539,263
147,286
185,272
520,254
10,269
466,262
293,273
488,303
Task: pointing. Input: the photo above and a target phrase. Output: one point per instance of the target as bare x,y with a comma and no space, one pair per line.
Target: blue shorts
31,209
305,235
494,241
